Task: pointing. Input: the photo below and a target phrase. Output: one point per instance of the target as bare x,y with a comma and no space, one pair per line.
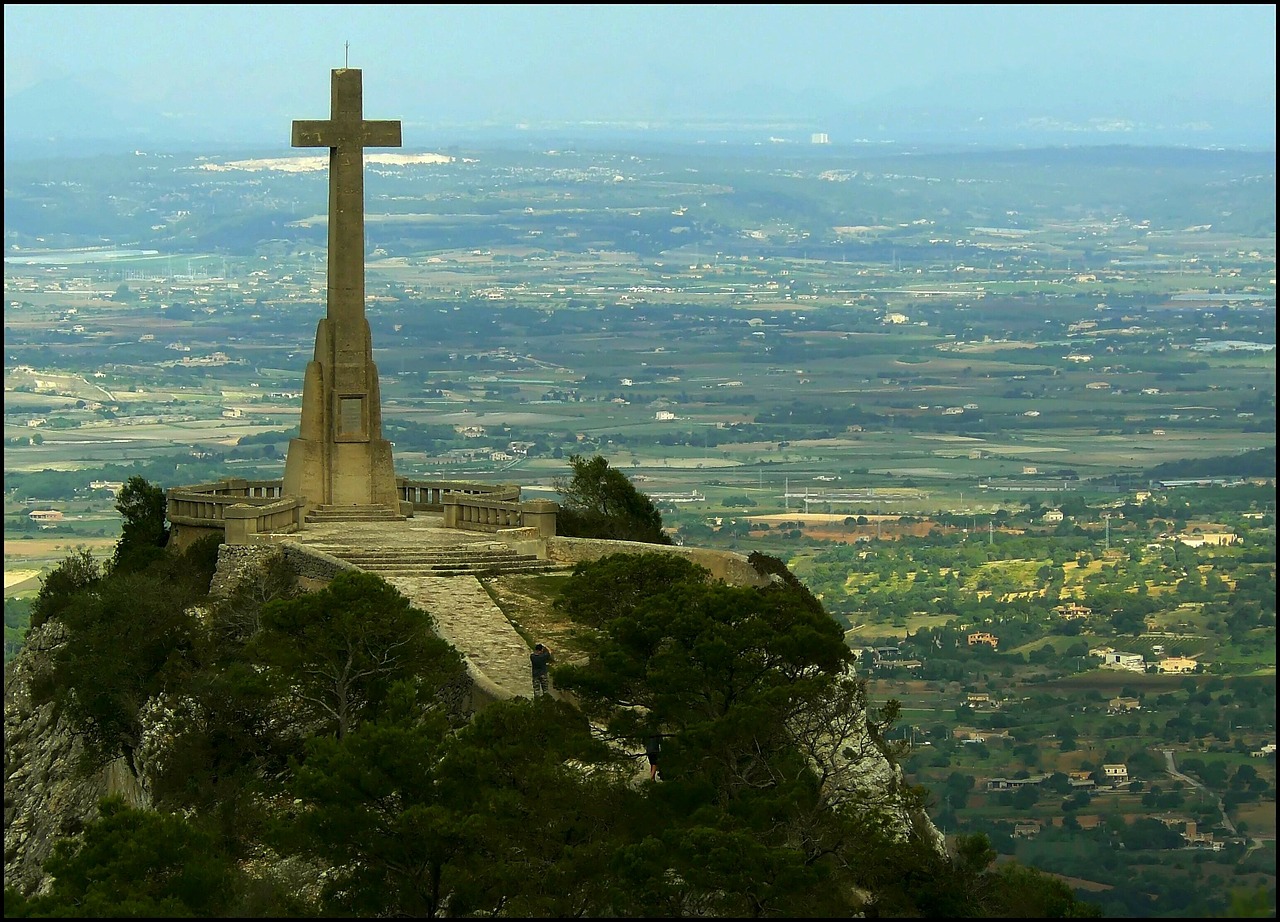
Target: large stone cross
339,457
346,134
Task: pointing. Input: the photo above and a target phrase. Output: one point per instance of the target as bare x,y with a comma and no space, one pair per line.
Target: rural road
1173,770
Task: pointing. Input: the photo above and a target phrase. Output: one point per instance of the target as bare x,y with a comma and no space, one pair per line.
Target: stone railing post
540,514
241,523
452,510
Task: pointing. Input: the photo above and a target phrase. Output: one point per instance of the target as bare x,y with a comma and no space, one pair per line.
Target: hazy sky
255,65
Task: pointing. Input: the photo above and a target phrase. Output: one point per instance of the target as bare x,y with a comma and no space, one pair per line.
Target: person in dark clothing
652,747
540,660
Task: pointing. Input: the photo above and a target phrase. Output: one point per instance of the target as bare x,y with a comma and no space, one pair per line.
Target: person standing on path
540,660
652,748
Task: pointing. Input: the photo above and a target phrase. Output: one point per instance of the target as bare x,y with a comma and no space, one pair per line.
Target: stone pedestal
339,457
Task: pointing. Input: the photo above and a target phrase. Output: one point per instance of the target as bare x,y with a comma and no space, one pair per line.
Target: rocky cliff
49,794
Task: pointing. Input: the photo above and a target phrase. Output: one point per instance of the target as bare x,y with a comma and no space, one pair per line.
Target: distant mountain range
69,118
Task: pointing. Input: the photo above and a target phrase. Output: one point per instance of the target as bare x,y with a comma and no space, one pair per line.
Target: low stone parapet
239,509
478,507
238,564
244,523
476,514
311,564
727,566
484,514
246,510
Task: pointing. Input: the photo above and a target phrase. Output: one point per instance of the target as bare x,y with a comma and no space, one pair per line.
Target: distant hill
1261,462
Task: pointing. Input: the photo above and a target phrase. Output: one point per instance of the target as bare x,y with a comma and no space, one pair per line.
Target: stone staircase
461,560
373,512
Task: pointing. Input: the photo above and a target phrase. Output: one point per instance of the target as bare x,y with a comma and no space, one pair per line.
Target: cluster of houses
45,518
1110,658
1206,535
1115,776
870,656
984,637
1136,662
1196,839
513,452
1073,611
1191,835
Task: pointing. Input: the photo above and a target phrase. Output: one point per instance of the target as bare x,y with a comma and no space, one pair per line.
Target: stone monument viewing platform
340,504
243,510
441,568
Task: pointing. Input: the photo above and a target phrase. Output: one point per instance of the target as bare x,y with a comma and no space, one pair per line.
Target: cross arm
380,134
314,134
327,133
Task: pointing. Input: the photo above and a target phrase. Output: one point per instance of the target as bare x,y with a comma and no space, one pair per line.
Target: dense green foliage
1260,462
338,651
598,501
75,572
617,587
129,634
17,620
134,863
145,530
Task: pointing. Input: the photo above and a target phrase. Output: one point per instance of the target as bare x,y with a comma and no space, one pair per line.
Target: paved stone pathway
469,619
465,615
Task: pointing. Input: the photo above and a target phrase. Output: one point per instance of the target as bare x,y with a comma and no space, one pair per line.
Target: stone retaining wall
235,564
311,564
728,566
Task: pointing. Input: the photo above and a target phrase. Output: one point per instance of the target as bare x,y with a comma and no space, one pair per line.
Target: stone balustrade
251,489
479,507
243,522
428,495
204,503
239,509
473,514
242,509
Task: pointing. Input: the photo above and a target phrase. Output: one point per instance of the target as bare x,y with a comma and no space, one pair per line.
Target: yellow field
13,577
16,550
25,560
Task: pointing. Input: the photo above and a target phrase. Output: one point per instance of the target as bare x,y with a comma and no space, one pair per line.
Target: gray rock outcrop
48,792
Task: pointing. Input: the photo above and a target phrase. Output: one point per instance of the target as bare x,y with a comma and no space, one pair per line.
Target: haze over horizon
117,76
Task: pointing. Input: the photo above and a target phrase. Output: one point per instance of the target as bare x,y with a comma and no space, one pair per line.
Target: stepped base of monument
371,512
454,561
